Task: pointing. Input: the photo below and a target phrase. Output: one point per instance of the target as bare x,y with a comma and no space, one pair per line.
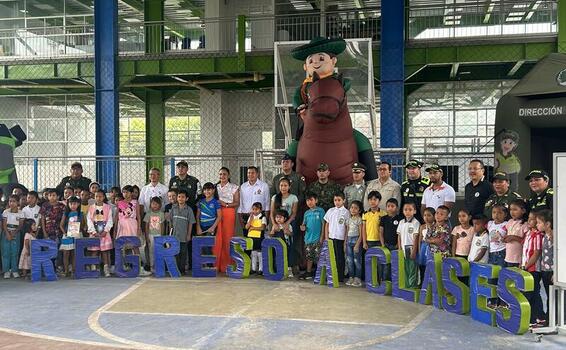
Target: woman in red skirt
229,198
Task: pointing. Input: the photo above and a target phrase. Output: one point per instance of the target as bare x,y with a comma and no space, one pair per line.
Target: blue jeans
10,251
353,259
497,258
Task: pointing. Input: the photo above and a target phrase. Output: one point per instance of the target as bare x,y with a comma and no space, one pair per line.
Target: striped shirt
533,241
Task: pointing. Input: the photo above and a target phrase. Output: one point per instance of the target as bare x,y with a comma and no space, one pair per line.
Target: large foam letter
268,247
327,271
164,250
132,261
481,291
510,285
42,251
375,258
431,290
200,259
242,266
398,278
81,260
456,298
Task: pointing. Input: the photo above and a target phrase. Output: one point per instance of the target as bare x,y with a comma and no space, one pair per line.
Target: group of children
89,213
513,238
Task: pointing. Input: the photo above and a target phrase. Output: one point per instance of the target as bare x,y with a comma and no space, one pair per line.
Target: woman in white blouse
229,198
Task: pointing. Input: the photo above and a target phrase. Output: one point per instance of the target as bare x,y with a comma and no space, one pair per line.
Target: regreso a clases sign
443,285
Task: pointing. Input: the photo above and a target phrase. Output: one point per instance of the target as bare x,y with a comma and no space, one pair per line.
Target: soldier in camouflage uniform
298,184
357,189
184,181
413,188
324,188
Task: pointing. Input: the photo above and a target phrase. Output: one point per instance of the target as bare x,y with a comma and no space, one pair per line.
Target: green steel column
154,128
153,14
241,43
561,20
154,124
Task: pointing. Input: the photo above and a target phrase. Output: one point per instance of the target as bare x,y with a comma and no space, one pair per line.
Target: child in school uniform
257,222
408,231
335,229
479,249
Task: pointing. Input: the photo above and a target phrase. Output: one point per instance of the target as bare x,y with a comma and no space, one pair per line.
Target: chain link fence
452,123
40,172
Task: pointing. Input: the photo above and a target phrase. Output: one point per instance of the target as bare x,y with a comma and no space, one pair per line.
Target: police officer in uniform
184,181
542,192
298,184
76,180
324,188
502,195
413,188
357,189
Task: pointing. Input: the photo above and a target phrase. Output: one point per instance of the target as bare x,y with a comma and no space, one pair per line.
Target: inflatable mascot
9,140
325,133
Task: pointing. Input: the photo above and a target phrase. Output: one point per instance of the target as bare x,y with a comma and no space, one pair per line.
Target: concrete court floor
222,313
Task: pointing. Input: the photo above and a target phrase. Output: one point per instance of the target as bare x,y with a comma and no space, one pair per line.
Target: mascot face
321,63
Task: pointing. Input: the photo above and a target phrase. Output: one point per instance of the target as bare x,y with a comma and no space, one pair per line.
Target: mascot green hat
327,45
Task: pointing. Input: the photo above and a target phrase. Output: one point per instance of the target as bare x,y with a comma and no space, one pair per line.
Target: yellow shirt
371,220
256,222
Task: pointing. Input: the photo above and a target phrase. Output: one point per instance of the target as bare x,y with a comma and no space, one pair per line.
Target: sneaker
290,273
303,276
309,275
106,271
6,275
144,273
357,282
350,282
16,275
260,273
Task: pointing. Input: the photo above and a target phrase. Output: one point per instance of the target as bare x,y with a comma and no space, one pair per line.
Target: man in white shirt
439,192
153,189
251,191
385,185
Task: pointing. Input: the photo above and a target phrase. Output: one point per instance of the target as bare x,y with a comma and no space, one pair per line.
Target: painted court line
409,327
253,318
65,340
94,324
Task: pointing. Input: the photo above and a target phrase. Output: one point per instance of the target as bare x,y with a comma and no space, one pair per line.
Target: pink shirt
464,239
514,250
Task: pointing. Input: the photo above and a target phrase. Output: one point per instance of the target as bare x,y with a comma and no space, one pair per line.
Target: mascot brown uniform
325,133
